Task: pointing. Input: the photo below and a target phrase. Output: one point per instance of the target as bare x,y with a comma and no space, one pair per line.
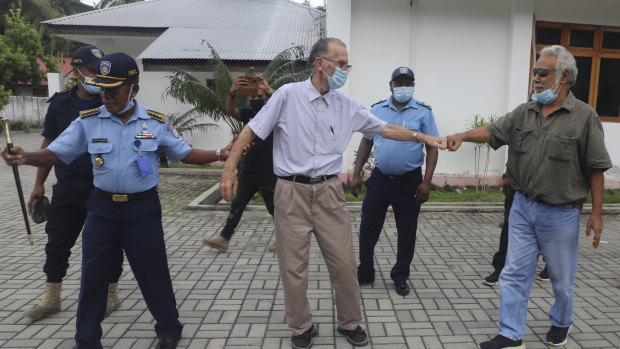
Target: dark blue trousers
65,218
382,192
135,227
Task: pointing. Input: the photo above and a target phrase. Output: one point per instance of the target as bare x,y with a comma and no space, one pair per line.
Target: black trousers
499,258
249,184
65,220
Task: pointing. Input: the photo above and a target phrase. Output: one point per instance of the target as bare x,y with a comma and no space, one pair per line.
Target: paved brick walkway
235,299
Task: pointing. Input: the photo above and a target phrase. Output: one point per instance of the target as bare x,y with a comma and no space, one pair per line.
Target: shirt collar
411,104
314,94
568,104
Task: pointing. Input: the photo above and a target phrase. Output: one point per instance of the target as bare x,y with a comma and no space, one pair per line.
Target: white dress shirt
311,131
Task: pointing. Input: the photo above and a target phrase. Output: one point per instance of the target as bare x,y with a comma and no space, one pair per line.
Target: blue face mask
547,96
403,94
91,89
338,79
130,103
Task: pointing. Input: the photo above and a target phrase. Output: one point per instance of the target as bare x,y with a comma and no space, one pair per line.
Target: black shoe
501,342
357,337
493,279
557,336
304,340
401,288
167,343
544,275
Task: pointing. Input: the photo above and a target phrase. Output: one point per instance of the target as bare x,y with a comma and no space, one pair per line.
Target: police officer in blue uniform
67,212
396,179
121,138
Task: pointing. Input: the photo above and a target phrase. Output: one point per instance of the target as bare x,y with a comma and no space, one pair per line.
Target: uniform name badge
143,162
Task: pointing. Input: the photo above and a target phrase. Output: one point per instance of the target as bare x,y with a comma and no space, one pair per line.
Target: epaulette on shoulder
89,112
156,115
381,101
424,105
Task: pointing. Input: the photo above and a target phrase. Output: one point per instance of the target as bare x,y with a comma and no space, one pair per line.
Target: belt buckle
315,180
392,177
119,197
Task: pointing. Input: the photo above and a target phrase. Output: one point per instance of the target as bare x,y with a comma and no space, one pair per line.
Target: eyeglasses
541,72
343,65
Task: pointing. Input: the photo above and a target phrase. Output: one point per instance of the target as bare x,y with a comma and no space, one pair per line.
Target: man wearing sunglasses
556,155
396,179
312,124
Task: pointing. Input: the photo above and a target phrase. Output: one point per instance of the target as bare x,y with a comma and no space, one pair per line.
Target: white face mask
130,103
91,89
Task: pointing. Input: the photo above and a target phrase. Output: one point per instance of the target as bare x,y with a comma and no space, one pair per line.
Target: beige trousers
301,209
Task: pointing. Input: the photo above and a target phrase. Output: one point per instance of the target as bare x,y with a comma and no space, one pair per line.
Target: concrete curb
214,202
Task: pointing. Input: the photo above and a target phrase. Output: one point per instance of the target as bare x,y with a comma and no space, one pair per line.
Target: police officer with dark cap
74,185
121,139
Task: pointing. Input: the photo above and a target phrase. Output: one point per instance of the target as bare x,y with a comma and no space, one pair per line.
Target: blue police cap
115,70
400,71
87,56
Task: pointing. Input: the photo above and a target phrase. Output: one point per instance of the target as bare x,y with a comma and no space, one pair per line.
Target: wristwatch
218,154
415,136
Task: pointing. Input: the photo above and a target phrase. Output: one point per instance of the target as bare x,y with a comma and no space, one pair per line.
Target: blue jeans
554,231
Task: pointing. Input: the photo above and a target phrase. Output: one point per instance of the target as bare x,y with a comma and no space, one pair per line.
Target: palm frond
292,54
187,89
189,121
291,77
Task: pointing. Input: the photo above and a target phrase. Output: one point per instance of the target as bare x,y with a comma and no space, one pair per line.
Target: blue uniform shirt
396,158
103,135
65,107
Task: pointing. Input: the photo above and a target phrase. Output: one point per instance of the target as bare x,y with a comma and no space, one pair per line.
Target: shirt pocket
103,151
561,147
522,137
146,145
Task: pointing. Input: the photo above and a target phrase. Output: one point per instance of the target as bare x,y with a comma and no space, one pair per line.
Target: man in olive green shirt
556,155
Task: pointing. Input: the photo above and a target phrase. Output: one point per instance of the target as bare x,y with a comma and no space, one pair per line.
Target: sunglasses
541,72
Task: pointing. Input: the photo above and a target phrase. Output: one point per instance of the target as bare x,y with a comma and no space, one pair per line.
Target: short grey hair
320,48
565,61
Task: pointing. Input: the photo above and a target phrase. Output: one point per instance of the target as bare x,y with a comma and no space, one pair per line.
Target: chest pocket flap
100,148
146,145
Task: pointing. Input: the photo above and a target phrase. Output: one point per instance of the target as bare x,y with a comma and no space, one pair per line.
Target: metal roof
237,29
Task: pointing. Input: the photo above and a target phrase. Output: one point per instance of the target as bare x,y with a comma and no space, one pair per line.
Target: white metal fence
26,108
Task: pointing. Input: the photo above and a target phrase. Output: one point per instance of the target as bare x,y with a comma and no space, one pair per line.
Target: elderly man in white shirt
312,125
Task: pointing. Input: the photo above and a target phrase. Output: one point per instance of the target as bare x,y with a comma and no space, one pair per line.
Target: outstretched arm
477,135
397,133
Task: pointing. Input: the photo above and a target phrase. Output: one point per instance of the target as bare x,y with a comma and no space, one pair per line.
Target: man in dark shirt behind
67,211
257,169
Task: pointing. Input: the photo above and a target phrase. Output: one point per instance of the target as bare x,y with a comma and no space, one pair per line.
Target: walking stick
18,182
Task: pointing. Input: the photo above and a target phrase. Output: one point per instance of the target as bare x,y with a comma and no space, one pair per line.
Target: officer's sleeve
265,121
172,143
365,122
429,127
70,144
